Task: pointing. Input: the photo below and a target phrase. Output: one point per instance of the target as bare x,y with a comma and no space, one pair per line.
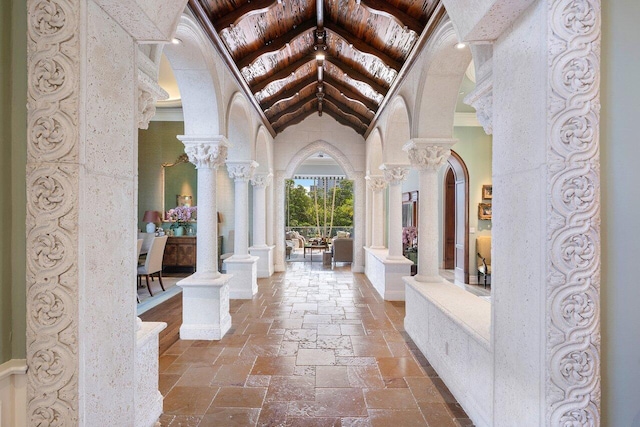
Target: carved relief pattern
573,233
395,175
241,172
206,155
481,98
261,180
149,92
52,212
429,157
376,183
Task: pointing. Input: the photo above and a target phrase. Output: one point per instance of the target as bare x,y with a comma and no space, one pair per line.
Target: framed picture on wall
487,191
484,210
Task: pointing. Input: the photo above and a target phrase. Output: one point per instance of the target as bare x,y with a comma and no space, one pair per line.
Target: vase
178,231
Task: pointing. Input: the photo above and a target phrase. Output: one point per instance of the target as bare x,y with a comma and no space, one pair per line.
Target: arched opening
456,218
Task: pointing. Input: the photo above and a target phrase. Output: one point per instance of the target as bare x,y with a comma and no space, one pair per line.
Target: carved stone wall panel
52,211
573,231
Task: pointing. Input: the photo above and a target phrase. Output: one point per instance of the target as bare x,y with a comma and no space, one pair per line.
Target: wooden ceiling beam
338,108
292,108
345,108
297,118
281,74
363,46
277,43
356,75
350,92
250,8
384,8
287,93
343,121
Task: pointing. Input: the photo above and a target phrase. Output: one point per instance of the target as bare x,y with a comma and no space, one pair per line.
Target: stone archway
358,184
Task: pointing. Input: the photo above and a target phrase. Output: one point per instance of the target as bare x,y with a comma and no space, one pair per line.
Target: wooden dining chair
137,259
153,263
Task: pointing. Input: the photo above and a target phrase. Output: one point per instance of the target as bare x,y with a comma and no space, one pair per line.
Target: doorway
456,218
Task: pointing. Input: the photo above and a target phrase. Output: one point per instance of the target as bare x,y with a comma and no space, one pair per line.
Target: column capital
241,171
205,151
429,153
261,180
395,173
376,183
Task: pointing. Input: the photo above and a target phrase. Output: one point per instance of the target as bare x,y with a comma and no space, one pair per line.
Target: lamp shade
151,216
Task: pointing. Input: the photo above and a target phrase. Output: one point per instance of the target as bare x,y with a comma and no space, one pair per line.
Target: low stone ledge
470,312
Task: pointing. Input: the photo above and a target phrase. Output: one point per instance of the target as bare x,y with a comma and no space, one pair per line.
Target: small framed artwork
487,191
484,210
184,200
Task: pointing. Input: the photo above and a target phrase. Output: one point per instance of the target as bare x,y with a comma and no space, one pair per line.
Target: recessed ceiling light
461,45
176,40
320,56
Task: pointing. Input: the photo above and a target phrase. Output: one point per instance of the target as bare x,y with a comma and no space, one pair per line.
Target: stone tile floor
315,347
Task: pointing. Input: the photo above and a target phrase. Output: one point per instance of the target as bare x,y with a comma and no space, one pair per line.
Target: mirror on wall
180,183
410,209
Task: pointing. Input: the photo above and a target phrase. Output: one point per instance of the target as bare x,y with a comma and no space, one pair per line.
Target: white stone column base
148,399
244,281
386,274
265,259
205,307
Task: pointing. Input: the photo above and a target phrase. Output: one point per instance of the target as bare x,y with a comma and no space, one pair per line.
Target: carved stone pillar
242,265
207,153
394,175
205,294
260,248
428,155
377,184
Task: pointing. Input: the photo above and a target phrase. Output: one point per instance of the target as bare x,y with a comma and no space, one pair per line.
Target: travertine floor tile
314,347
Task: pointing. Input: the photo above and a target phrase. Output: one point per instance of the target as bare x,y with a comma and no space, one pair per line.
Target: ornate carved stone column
394,175
377,184
428,155
260,249
207,153
205,294
242,265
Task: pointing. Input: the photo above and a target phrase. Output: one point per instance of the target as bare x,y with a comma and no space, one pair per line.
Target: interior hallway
315,347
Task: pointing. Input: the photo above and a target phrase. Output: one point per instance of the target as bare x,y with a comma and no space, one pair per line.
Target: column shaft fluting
377,185
260,183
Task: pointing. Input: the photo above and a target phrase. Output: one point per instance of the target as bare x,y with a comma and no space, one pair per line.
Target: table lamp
151,217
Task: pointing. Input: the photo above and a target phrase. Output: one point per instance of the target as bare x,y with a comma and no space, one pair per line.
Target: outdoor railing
311,232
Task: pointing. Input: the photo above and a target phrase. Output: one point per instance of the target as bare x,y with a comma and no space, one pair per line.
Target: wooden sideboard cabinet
180,254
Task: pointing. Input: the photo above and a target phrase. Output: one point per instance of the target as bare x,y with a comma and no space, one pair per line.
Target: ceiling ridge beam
250,8
362,46
381,7
350,92
281,74
277,43
357,75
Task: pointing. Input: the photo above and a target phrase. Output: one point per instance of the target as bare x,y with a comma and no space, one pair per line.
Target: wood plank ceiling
299,57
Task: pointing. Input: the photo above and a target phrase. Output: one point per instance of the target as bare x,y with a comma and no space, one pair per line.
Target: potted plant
180,217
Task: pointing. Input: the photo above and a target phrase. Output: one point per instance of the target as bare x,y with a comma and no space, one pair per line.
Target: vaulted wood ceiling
275,49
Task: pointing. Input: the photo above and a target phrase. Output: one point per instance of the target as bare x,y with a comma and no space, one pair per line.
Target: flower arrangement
181,215
409,236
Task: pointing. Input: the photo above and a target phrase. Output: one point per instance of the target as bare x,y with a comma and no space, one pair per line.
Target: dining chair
153,263
137,259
